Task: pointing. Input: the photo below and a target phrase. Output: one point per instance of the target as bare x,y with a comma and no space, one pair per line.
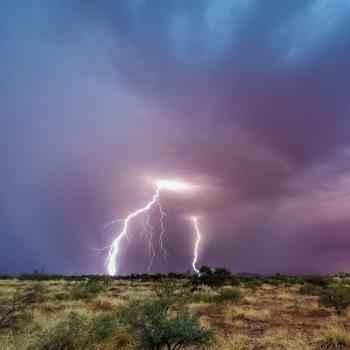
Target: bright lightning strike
162,231
198,239
168,185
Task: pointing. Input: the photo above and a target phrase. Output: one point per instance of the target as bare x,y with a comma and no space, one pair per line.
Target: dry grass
272,317
332,336
233,313
282,339
237,342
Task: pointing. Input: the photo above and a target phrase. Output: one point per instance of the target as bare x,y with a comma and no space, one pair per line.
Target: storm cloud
247,99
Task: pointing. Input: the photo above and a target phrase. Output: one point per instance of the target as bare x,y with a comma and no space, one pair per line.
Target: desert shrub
213,278
36,292
309,289
165,322
274,282
35,276
12,308
6,277
336,296
278,279
103,326
318,281
234,281
227,294
69,333
23,299
87,290
179,276
76,332
221,276
253,283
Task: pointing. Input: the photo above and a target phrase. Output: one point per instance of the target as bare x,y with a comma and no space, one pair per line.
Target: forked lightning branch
161,185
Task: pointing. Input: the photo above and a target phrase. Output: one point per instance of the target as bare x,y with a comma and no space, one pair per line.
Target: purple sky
248,99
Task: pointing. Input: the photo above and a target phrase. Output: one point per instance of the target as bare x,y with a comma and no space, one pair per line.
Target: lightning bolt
114,247
198,239
151,252
162,231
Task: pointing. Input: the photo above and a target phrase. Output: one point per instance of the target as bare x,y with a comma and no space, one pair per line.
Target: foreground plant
75,331
333,336
337,297
165,322
277,339
22,299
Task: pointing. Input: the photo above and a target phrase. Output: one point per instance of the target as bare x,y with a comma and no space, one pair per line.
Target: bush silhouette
213,278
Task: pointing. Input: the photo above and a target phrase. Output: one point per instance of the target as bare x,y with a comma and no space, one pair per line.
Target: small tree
165,322
222,276
213,278
336,296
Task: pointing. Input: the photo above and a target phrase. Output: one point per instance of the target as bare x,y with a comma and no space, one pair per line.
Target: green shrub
253,283
69,333
234,281
212,278
103,326
318,281
35,276
227,294
76,332
309,289
87,289
336,296
165,322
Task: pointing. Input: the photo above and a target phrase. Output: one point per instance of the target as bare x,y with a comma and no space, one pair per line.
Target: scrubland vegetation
176,311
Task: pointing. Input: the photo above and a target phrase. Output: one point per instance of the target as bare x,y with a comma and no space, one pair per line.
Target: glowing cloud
172,185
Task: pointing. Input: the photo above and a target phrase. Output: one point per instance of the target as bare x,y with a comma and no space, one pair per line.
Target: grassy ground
270,317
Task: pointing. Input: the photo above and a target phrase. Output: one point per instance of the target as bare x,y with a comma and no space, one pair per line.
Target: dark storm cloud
269,77
247,98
